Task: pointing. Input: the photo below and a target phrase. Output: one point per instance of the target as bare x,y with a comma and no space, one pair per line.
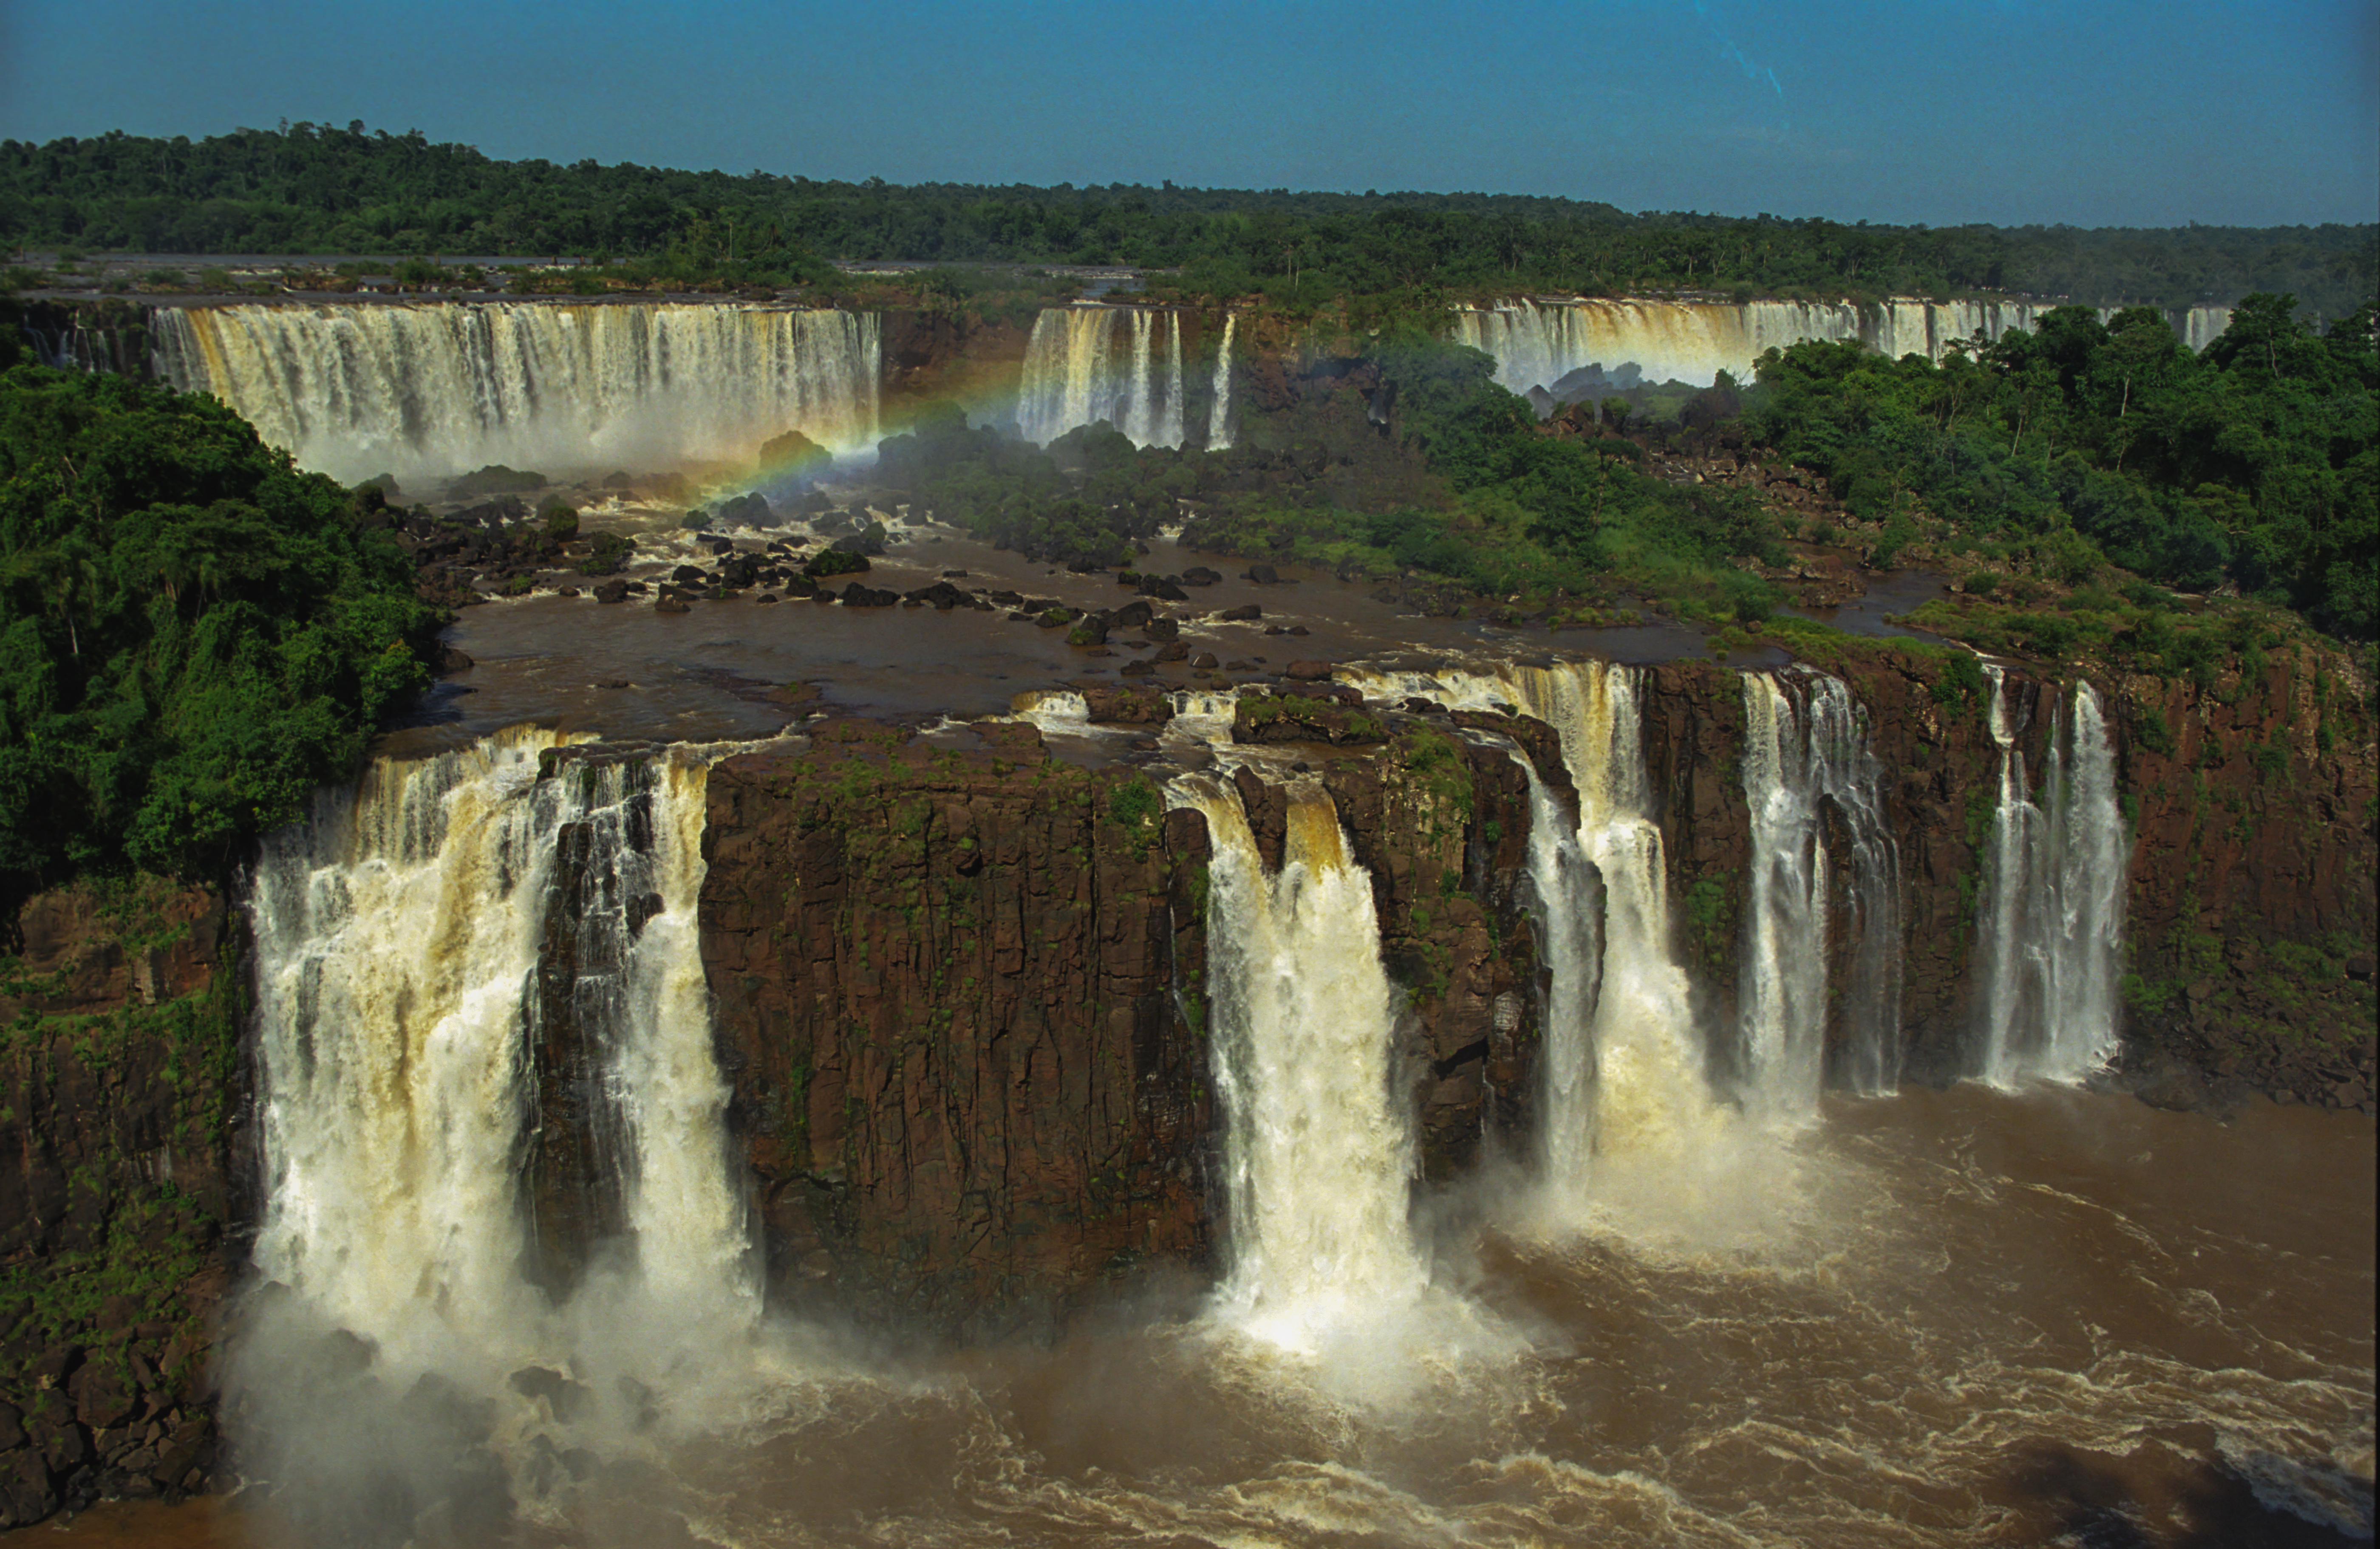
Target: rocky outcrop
1442,822
116,1177
957,995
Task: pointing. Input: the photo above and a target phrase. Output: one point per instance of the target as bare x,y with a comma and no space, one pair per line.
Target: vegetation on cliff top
2254,465
2076,479
308,187
193,634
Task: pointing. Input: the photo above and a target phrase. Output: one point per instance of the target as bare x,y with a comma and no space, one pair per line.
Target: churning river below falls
1954,1317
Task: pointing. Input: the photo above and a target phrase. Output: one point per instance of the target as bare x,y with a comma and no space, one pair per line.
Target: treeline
193,634
319,188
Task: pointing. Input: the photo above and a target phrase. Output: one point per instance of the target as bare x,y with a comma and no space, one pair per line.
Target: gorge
809,1074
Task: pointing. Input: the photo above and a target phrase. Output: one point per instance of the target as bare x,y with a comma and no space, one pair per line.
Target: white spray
1806,760
399,936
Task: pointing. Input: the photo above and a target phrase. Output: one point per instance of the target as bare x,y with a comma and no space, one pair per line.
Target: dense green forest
2254,465
318,189
193,634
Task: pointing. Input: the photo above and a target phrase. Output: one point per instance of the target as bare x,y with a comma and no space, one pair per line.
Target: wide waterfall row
492,1123
483,1048
1572,349
2053,903
442,388
1823,870
1120,364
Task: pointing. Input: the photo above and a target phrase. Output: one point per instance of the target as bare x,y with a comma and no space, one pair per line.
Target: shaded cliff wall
120,1008
2255,799
956,994
960,996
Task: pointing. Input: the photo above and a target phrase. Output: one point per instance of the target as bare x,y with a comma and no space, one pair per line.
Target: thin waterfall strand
1218,410
1569,904
2052,921
692,1240
1806,764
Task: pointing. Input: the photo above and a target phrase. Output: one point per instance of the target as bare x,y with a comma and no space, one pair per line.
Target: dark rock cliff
959,994
2250,911
117,1177
956,995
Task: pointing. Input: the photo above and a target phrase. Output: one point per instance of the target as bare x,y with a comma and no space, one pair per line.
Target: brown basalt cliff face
960,996
116,1177
929,356
2249,910
955,995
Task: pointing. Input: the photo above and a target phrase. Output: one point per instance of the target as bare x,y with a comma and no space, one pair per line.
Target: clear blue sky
1942,111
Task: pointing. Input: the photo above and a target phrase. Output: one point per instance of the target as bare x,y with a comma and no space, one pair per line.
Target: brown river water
1943,1318
1958,1317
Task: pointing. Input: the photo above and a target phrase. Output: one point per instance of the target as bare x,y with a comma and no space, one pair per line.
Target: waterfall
2201,326
416,943
1624,1061
434,389
1575,349
1076,373
1218,412
1816,797
2052,914
1568,895
1320,1157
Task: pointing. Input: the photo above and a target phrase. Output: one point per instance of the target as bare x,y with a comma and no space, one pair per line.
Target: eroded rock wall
960,995
956,994
120,1012
2250,911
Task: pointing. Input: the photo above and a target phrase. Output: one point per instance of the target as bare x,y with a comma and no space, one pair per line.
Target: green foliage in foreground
193,634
